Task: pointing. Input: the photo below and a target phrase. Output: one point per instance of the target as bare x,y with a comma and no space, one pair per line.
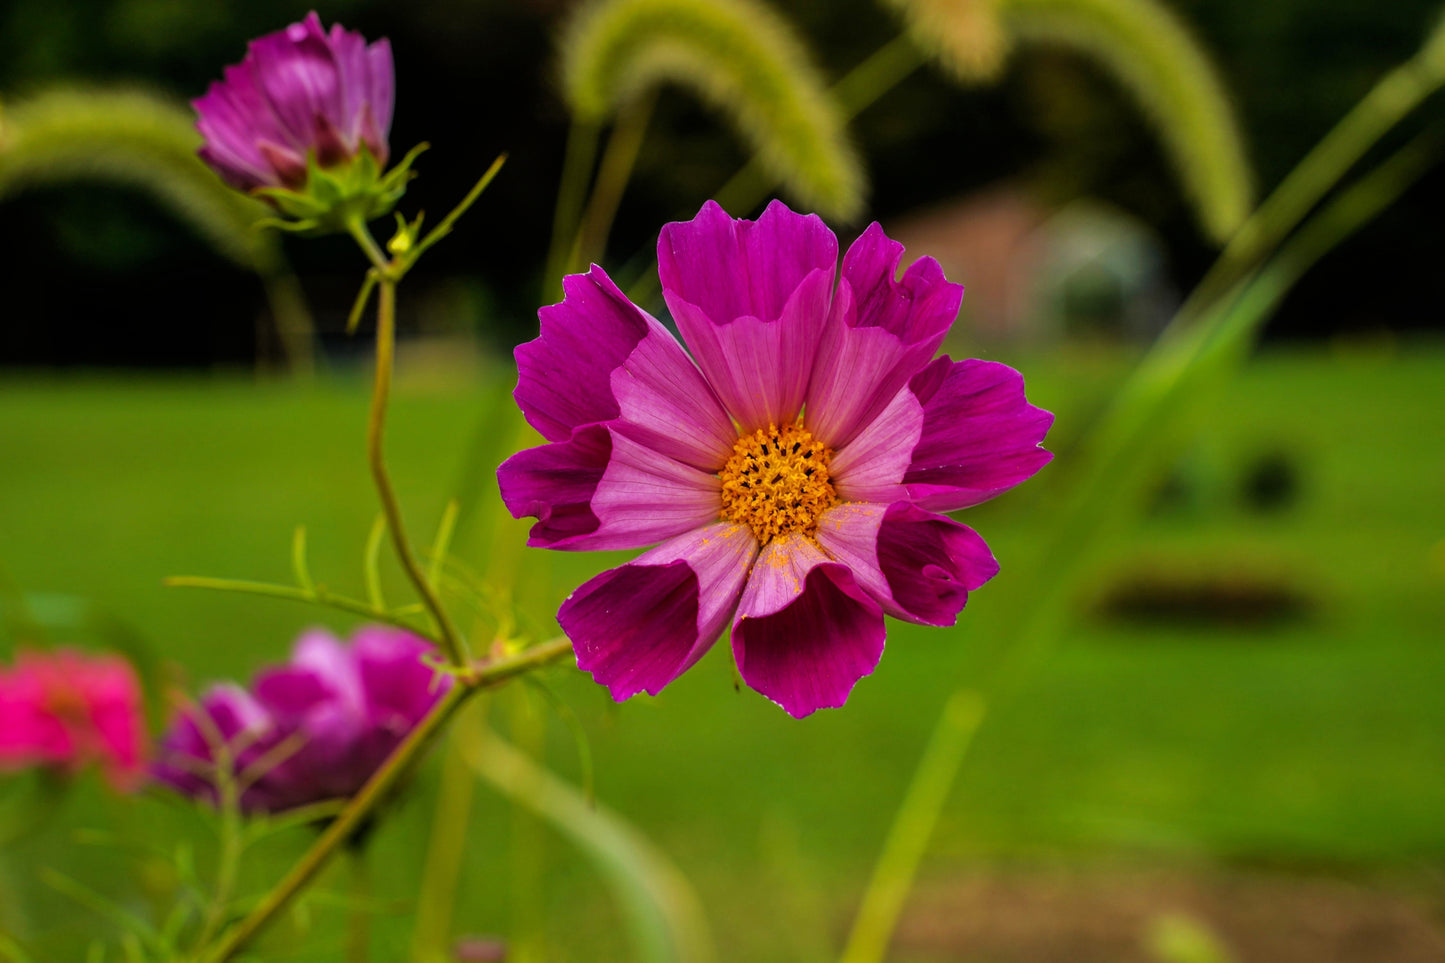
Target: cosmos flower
790,472
299,92
66,709
312,730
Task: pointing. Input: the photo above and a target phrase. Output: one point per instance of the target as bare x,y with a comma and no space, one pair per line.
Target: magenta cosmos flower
792,469
300,91
65,709
311,730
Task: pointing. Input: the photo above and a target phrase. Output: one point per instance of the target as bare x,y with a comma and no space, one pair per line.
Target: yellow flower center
777,483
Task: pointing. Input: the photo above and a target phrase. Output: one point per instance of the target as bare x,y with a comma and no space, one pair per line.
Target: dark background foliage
96,276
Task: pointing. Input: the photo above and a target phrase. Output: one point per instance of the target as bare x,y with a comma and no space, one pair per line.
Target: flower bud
302,121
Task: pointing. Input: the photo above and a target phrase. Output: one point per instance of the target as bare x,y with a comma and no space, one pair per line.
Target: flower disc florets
777,482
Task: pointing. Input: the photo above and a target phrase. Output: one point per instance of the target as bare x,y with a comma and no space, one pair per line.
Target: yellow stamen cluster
777,483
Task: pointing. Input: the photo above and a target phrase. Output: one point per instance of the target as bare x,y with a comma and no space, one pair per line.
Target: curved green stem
451,640
362,805
317,597
612,177
576,170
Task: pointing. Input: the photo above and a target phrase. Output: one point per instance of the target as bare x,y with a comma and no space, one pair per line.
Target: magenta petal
602,490
600,358
805,632
555,484
918,565
730,268
881,332
638,627
302,91
980,436
871,467
564,375
751,300
395,674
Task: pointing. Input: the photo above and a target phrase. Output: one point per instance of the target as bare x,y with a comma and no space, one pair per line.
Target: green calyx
335,197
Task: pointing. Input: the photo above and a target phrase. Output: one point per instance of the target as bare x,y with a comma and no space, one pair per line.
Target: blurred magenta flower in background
300,91
66,709
311,730
793,474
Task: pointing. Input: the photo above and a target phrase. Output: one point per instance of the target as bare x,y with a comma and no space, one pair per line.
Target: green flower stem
571,194
908,836
358,929
449,824
486,676
318,596
387,271
612,177
1116,456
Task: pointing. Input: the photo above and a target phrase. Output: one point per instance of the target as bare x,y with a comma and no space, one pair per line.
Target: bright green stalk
571,196
290,593
451,640
1123,449
660,909
908,836
612,177
443,869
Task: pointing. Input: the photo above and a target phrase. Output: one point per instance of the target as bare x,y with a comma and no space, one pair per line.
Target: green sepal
335,196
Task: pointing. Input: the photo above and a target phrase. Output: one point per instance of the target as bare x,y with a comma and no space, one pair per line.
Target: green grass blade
740,57
1168,73
1132,443
912,827
663,913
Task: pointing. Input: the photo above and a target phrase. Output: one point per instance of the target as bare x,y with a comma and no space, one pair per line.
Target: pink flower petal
602,490
751,300
601,358
880,333
871,467
805,632
918,565
638,627
980,436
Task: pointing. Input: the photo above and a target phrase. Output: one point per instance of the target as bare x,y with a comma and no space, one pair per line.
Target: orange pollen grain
777,482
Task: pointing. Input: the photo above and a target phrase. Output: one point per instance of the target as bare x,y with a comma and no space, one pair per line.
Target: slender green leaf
299,567
741,58
911,829
662,911
372,562
13,952
442,543
122,918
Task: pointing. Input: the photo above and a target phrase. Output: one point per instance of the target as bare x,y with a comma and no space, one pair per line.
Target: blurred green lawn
1316,743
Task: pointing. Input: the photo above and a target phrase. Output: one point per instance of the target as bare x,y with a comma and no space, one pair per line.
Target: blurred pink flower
65,709
311,730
